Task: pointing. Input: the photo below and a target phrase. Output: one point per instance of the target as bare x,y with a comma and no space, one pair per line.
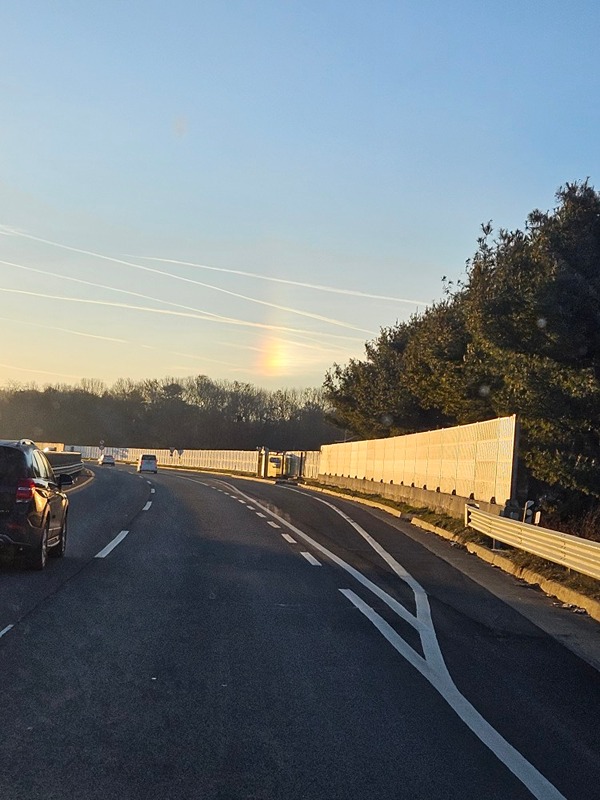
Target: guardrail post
467,515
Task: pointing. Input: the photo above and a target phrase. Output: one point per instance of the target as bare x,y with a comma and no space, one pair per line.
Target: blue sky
288,146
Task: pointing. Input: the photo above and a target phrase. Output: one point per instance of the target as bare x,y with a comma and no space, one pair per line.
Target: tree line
192,413
519,333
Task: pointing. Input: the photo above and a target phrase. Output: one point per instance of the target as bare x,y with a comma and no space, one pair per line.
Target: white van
147,463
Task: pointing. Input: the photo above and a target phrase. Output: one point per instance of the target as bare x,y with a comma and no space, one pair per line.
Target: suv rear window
148,458
12,466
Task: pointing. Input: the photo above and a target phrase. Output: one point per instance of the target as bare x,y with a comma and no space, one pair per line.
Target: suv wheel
37,558
58,550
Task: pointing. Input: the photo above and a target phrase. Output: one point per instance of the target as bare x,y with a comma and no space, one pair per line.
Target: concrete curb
362,500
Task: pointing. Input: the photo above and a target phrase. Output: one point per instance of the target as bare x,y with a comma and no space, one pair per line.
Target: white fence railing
243,461
569,551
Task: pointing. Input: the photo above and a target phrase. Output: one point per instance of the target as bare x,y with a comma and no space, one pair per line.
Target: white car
147,463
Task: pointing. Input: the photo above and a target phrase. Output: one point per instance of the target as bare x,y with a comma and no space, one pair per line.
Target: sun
275,357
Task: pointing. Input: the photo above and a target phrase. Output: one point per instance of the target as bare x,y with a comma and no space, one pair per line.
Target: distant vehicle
107,460
147,463
33,507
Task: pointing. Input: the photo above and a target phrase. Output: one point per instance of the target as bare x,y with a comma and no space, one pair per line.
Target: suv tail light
25,490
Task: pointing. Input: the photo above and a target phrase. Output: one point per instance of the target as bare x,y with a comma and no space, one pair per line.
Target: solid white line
147,506
311,559
539,786
6,630
111,545
289,538
429,641
273,524
433,666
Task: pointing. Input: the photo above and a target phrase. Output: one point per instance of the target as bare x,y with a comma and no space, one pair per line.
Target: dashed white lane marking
111,545
153,491
289,538
6,630
251,508
432,665
311,559
258,514
147,506
273,524
243,502
149,483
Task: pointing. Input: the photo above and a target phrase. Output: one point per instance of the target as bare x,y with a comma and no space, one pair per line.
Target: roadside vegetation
519,334
193,413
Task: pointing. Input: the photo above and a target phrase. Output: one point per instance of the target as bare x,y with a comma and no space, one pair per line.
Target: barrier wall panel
376,464
467,460
387,467
363,452
371,457
314,459
435,462
398,459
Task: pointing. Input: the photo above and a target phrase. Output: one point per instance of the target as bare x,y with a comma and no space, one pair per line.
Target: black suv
33,507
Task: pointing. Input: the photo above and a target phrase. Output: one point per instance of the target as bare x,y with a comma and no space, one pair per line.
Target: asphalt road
249,641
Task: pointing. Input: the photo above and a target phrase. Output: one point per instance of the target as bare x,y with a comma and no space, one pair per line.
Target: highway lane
97,512
534,691
206,656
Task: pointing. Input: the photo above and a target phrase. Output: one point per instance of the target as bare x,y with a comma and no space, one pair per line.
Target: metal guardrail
569,551
65,463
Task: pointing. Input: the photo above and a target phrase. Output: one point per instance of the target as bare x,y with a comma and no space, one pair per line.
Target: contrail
209,314
117,341
317,286
224,320
112,289
39,371
170,275
142,296
64,330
